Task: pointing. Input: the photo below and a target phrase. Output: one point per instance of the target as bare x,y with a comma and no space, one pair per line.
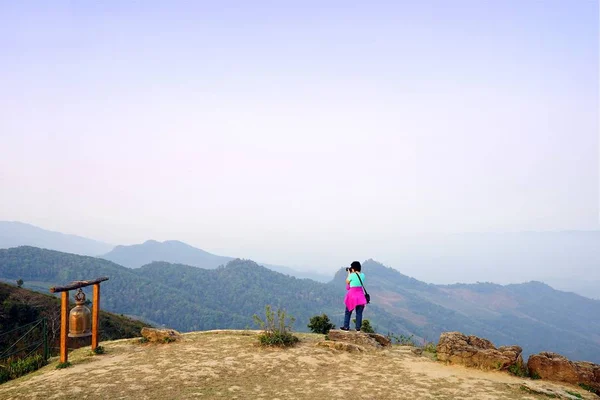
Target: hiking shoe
344,329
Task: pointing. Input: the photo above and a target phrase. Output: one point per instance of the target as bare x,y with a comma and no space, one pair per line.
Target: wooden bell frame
64,312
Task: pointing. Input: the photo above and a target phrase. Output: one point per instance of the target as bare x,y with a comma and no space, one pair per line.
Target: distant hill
566,260
14,234
532,315
176,252
172,251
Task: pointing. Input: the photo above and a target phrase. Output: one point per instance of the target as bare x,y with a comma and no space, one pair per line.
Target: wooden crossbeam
77,285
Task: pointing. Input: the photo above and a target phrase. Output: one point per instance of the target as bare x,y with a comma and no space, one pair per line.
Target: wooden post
64,326
95,315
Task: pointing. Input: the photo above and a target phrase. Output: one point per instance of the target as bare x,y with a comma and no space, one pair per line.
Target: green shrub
276,331
575,394
320,324
98,350
535,376
16,367
366,326
518,370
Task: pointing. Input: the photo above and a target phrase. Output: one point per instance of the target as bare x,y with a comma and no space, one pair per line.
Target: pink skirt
355,296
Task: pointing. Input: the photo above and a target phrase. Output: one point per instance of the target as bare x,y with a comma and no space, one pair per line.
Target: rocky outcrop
160,335
472,351
535,387
372,340
344,346
554,367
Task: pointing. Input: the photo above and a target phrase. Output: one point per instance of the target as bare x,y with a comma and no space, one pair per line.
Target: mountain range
176,252
187,298
14,234
566,260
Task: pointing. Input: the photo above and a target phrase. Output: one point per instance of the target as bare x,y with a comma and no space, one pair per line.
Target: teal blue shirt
354,282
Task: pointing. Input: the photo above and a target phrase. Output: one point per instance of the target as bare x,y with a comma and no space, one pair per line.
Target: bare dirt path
230,365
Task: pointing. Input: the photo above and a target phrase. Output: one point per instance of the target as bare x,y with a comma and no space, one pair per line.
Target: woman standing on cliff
355,296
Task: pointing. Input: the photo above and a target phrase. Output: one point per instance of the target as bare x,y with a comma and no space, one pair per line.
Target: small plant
20,283
589,388
98,350
276,331
366,326
4,374
535,376
574,394
430,347
143,340
168,339
63,365
402,340
518,370
320,324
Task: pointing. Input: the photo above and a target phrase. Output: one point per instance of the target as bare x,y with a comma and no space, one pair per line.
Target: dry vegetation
231,365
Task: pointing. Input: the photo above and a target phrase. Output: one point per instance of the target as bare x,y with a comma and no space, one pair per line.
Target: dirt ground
230,365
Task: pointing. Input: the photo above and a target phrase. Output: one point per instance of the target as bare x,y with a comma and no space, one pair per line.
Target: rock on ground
160,335
349,347
555,367
472,351
363,339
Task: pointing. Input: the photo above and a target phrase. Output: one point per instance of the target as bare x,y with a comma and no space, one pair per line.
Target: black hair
355,266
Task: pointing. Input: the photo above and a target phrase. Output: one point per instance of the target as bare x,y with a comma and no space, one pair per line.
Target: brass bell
80,318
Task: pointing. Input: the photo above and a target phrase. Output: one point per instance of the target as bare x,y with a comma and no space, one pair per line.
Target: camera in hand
348,268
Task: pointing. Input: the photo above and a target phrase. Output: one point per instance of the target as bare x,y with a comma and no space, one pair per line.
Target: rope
15,343
20,327
23,349
39,345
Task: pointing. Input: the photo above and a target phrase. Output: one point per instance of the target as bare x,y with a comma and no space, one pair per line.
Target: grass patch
574,394
590,389
62,365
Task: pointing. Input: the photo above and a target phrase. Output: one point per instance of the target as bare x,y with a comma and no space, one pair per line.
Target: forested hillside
187,298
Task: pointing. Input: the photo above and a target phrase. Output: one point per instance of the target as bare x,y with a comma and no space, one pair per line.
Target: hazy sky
299,133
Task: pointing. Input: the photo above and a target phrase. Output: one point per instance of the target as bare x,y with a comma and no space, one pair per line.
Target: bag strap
361,284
